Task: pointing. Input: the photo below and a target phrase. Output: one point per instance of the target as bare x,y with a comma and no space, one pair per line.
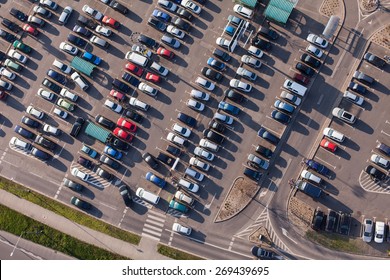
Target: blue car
161,15
229,108
220,66
280,117
112,152
89,151
92,58
316,166
357,88
283,106
230,30
155,179
265,134
57,76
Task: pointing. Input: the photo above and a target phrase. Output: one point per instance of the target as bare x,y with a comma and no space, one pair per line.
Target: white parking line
334,167
385,133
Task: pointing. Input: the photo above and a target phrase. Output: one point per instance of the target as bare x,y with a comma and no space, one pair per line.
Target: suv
77,127
46,143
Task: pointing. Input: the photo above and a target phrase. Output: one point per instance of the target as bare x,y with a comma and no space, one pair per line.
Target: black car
180,23
217,126
309,60
130,79
125,193
119,7
261,44
253,174
262,253
82,31
24,132
357,88
268,33
86,22
54,87
383,148
331,221
109,162
173,150
280,117
78,202
10,25
166,159
375,60
76,127
159,25
40,154
7,36
105,122
30,122
18,14
46,143
318,220
150,160
104,174
213,136
72,185
265,134
120,85
182,12
345,222
56,76
308,71
188,120
375,174
147,41
77,40
201,1
221,55
212,74
84,162
119,144
263,151
133,115
233,95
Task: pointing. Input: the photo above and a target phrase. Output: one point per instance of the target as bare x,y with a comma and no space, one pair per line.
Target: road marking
334,167
320,99
109,206
387,134
285,233
207,206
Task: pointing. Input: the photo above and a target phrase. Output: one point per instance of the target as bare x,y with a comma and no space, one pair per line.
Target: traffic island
369,6
382,37
239,196
300,213
261,237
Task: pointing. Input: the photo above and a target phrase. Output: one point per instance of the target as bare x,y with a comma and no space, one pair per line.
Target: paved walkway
146,250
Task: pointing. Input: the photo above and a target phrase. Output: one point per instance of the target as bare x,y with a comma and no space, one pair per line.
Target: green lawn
175,254
335,241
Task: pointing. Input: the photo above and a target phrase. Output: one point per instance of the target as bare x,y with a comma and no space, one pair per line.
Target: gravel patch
382,37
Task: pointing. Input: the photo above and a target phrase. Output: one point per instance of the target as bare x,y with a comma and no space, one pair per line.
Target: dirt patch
382,37
261,237
300,213
369,5
330,8
240,194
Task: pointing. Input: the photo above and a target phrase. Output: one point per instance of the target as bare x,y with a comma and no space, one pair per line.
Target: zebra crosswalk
370,185
154,224
94,179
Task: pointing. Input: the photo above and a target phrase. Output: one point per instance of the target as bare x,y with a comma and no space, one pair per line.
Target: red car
330,146
123,123
165,53
111,22
32,30
2,94
123,134
153,77
300,78
117,95
134,69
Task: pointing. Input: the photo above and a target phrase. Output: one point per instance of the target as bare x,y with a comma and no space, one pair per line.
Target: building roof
248,3
82,65
280,10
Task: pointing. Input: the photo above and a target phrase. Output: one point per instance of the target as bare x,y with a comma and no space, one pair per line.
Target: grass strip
334,241
175,254
17,223
68,212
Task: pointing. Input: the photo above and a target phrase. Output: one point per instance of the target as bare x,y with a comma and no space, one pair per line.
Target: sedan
257,162
318,167
134,69
188,120
302,79
358,100
123,123
264,152
357,88
120,133
229,108
57,76
330,146
125,192
382,162
243,11
308,71
92,12
205,83
316,40
184,13
159,25
213,136
7,74
234,96
221,55
251,61
150,160
155,180
161,15
18,14
103,31
183,131
199,164
113,106
375,60
167,5
343,115
284,106
109,161
10,25
50,4
261,44
246,74
211,74
200,152
223,42
293,99
5,85
375,173
170,41
17,55
80,203
153,78
314,51
69,48
91,58
173,30
200,95
165,53
24,132
54,87
31,30
181,23
265,134
30,122
103,121
45,94
220,66
309,60
112,152
133,115
42,12
104,174
191,6
280,117
234,83
82,31
79,174
223,118
62,66
252,174
147,89
196,105
111,22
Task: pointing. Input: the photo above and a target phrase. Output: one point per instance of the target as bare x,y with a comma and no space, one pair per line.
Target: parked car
267,33
251,61
211,74
104,174
229,108
314,51
181,23
309,60
78,202
375,174
318,220
261,44
379,232
257,162
166,39
234,96
265,134
191,6
375,60
264,152
92,12
368,230
364,78
125,193
223,42
343,115
221,55
150,160
82,31
243,11
249,75
345,223
308,71
317,40
383,148
216,64
357,88
242,86
358,100
118,7
155,180
253,174
109,162
261,253
331,221
18,14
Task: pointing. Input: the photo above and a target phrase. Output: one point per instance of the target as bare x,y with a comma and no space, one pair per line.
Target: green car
65,104
21,46
178,206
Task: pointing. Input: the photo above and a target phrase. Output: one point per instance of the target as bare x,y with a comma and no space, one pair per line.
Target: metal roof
82,65
248,3
280,10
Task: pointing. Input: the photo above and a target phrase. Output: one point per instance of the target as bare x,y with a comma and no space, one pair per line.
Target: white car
147,89
255,51
183,131
69,48
159,69
113,106
48,3
343,115
45,94
382,162
5,85
170,41
60,113
196,105
317,40
358,100
246,74
20,143
181,229
205,83
69,95
172,137
17,55
234,83
141,50
51,130
62,66
293,99
191,6
222,42
76,77
138,104
305,174
167,5
251,61
79,174
171,29
103,30
243,11
182,196
92,12
199,164
200,95
223,118
368,226
4,72
35,112
333,134
200,152
314,51
379,232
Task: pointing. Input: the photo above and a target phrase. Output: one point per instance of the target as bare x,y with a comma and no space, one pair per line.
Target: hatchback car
147,89
42,12
183,131
243,11
318,220
265,134
375,60
280,117
223,42
104,174
357,88
112,152
91,58
264,152
126,124
57,76
165,53
89,151
195,105
109,162
318,41
113,106
191,6
82,31
200,95
261,44
305,69
92,12
257,162
309,60
251,61
155,180
285,107
125,193
213,136
105,122
181,23
30,29
173,30
188,120
328,145
122,134
167,5
62,66
72,185
234,96
78,202
35,112
211,74
379,160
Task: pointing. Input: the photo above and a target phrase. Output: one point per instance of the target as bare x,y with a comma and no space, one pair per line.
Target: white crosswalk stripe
94,179
154,224
176,214
142,202
370,185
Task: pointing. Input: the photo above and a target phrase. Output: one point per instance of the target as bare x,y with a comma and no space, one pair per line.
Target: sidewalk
146,250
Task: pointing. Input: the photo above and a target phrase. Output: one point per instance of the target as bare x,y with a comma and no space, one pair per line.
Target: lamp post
37,231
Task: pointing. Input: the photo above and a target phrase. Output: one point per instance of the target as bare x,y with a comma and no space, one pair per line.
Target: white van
189,185
208,145
295,87
137,58
148,196
20,143
184,197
